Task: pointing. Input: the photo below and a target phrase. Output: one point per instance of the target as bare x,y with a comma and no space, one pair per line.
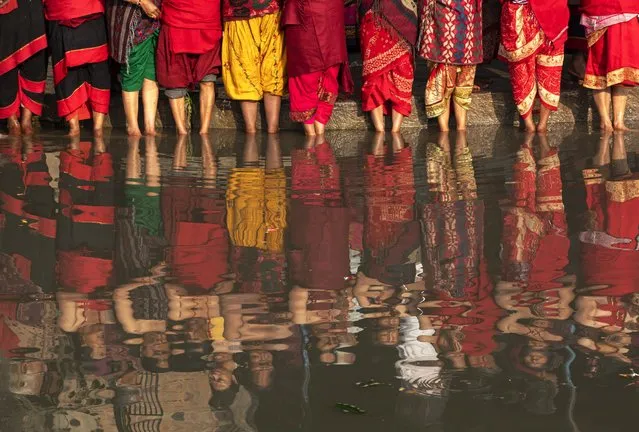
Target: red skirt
388,68
612,59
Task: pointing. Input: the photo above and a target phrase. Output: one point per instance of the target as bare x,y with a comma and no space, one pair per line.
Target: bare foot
621,127
98,133
133,132
273,131
529,125
204,131
150,132
74,132
606,126
542,129
182,132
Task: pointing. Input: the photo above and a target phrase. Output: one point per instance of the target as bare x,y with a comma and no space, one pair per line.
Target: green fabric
145,202
141,65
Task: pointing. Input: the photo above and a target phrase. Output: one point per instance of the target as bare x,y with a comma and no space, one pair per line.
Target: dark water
479,282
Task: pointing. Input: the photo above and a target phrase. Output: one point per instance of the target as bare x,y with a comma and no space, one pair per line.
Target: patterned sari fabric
535,242
534,61
452,226
452,40
609,25
388,67
446,81
391,230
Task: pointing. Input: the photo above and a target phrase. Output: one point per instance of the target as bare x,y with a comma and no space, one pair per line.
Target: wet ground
478,282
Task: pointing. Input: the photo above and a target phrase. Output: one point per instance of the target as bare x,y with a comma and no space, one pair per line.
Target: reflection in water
289,289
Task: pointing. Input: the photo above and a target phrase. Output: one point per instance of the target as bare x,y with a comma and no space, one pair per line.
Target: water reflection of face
93,337
221,379
536,359
537,345
26,377
156,346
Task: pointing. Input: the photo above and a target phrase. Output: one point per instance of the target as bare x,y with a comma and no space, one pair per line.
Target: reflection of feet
542,129
182,132
98,133
74,132
14,129
151,132
27,130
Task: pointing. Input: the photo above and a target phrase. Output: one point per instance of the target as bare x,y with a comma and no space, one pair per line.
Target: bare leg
14,125
309,129
133,165
152,162
444,119
460,116
398,141
179,116
150,95
544,115
529,124
131,106
377,117
398,119
25,122
319,128
249,113
272,106
602,100
179,157
619,99
74,126
209,166
207,98
98,123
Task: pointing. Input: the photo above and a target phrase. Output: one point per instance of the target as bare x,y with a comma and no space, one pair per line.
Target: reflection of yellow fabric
253,57
216,329
256,208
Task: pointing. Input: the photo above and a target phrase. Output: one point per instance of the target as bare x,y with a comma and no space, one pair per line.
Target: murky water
479,282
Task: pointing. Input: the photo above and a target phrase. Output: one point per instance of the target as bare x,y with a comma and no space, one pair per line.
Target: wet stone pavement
483,282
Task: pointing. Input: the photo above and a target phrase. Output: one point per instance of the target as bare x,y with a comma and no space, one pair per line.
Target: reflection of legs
251,153
207,98
602,100
602,157
273,152
619,99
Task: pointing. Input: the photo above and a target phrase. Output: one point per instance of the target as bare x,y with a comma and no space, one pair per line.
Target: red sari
532,43
318,61
189,43
79,52
613,59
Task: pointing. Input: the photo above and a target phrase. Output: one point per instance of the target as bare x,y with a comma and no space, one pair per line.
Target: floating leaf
349,409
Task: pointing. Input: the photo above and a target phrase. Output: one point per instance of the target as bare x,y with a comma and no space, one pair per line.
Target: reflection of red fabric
617,317
318,257
391,231
194,221
616,271
388,69
82,273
